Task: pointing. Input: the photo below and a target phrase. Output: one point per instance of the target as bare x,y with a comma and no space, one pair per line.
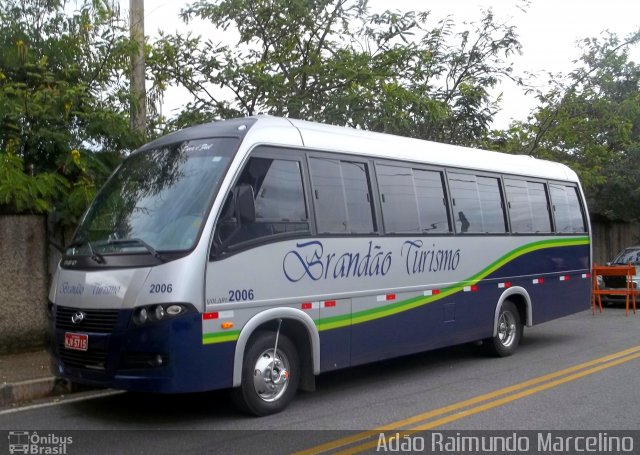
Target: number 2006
238,295
161,288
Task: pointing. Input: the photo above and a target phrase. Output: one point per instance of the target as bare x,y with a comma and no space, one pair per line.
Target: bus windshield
156,201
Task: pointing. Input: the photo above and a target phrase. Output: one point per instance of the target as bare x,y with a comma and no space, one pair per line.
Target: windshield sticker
198,147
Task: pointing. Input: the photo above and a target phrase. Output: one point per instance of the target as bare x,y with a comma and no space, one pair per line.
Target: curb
33,389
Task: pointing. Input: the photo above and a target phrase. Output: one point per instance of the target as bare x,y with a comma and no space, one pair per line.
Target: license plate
76,341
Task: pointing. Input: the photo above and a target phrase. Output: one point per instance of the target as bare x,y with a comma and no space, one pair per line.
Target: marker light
173,310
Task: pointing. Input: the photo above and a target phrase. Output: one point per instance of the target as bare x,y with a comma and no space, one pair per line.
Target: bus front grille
90,321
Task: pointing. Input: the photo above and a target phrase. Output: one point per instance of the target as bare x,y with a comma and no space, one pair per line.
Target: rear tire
508,334
268,383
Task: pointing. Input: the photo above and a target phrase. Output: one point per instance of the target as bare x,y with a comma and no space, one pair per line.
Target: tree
336,62
590,120
63,103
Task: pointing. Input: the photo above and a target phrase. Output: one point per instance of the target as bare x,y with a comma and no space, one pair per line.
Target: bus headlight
140,316
159,312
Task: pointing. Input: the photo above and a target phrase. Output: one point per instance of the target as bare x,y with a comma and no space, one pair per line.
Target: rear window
630,255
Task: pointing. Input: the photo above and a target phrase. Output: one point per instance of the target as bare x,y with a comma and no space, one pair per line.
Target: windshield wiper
94,255
140,242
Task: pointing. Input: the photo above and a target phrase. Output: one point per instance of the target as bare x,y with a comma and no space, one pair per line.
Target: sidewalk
26,377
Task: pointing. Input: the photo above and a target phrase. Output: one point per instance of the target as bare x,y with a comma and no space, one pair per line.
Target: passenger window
413,200
477,204
280,196
434,218
567,210
279,202
528,207
399,201
342,196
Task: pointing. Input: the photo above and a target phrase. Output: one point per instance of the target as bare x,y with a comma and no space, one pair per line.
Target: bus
256,253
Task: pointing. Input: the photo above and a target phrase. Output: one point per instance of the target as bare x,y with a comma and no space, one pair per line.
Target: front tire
268,382
509,332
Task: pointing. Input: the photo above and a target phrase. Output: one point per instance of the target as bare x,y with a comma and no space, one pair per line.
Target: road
575,373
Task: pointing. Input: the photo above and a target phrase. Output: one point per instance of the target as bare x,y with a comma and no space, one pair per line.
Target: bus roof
397,147
265,129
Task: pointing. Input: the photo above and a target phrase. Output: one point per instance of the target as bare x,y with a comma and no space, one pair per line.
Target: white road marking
73,398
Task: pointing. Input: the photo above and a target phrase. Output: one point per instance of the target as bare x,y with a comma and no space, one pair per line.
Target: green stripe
221,337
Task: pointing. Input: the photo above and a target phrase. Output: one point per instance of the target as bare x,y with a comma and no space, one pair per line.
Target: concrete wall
24,282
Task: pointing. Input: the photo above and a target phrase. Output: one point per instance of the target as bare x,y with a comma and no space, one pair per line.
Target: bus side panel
560,295
557,279
335,349
468,314
454,320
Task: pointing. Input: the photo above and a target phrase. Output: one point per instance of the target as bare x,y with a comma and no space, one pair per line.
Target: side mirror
239,209
245,206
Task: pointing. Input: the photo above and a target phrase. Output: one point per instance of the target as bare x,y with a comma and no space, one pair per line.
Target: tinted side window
342,196
567,210
539,207
431,201
329,201
528,208
477,203
280,196
399,202
491,201
358,197
279,202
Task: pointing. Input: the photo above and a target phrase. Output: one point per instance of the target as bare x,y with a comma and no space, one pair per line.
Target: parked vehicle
630,255
257,253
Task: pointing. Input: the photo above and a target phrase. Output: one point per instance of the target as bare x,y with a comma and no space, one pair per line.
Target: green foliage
20,192
333,61
63,93
590,120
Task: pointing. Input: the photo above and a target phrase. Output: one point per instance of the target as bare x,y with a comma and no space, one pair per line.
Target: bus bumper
165,357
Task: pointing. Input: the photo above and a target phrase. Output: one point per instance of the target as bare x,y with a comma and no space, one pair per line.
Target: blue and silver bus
256,253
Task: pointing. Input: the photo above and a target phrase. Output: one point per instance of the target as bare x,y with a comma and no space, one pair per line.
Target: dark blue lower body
466,316
127,358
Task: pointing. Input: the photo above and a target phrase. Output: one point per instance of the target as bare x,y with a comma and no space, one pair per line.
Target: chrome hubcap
507,328
271,375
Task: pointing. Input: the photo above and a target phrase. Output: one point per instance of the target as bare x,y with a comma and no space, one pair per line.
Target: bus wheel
509,332
269,382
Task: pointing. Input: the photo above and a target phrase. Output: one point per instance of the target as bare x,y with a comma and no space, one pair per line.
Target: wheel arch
521,299
266,319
